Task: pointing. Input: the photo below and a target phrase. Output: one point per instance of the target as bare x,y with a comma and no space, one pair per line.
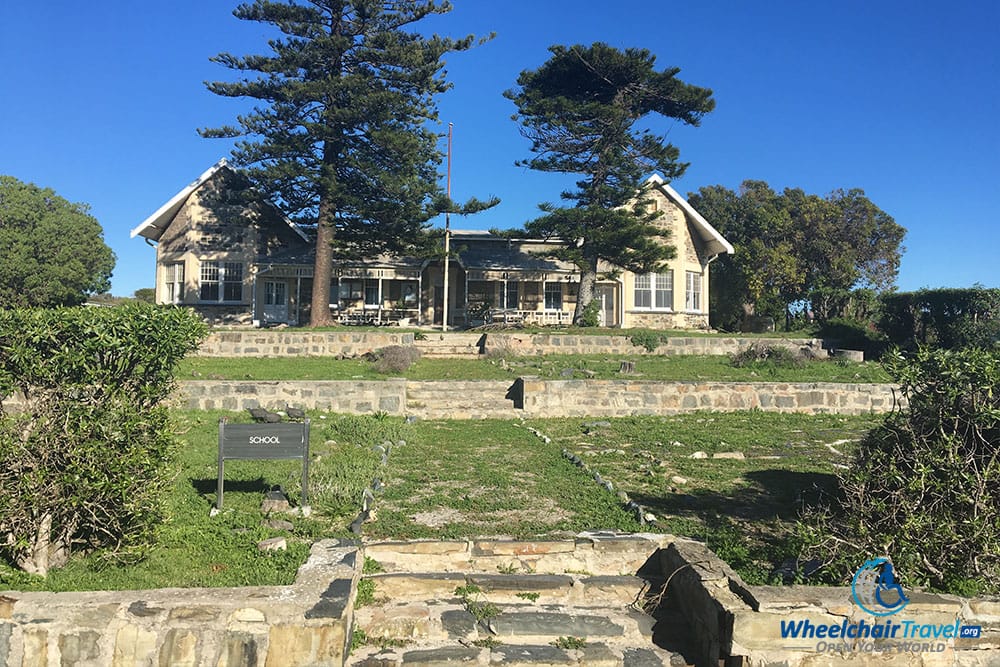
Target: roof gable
714,242
155,225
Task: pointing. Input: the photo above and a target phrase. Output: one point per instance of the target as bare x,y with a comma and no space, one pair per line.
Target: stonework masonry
533,397
307,623
293,343
734,623
538,344
286,343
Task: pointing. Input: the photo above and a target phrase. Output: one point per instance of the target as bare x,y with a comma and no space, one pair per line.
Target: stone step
482,619
588,554
578,590
592,654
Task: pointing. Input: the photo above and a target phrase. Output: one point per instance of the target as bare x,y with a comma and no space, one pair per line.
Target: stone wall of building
287,343
734,623
307,623
538,344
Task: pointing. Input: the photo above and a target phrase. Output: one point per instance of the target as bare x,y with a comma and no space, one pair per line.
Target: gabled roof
152,228
715,244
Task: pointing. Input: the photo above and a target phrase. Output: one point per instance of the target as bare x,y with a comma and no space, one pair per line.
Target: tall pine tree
579,109
342,138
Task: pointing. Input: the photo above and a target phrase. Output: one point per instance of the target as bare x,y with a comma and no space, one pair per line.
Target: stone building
235,258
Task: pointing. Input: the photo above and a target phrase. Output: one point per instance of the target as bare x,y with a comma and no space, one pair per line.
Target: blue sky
101,102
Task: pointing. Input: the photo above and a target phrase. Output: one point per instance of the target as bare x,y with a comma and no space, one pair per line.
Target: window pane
553,296
665,290
511,295
209,271
232,291
692,299
371,292
210,291
643,294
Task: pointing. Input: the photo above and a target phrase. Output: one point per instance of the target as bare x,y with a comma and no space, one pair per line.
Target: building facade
233,257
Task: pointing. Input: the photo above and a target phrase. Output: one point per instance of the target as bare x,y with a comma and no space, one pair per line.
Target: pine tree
343,136
579,109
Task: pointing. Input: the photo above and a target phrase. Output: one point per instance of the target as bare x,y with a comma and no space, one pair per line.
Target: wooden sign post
264,441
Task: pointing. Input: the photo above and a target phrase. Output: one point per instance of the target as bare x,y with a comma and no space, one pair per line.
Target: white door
275,301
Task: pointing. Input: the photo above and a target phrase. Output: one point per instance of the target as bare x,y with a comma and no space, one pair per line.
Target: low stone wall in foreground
307,623
734,623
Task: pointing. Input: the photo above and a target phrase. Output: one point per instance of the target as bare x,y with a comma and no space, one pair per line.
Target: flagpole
447,235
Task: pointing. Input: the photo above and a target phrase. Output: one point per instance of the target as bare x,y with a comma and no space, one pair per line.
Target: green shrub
924,487
948,318
591,316
765,355
86,455
395,358
647,339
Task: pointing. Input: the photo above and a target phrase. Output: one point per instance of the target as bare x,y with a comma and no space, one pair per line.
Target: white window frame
663,290
653,291
642,294
173,277
692,291
547,292
221,276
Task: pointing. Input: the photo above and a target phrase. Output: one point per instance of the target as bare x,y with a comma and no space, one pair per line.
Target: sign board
264,441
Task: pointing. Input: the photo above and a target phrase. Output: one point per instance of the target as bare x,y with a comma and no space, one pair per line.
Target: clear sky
101,101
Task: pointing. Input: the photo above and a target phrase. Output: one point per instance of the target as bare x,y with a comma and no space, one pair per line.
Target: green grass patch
196,550
744,508
485,478
592,366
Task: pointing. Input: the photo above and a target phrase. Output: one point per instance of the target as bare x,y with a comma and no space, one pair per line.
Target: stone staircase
450,345
497,602
469,399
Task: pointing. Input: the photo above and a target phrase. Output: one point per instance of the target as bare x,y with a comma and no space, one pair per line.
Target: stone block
179,649
518,548
77,648
199,615
554,624
133,646
442,657
418,547
399,622
532,656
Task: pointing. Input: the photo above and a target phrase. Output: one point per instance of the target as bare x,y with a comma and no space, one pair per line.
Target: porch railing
540,317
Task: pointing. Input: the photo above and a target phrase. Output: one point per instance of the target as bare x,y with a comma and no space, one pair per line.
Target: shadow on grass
208,487
767,494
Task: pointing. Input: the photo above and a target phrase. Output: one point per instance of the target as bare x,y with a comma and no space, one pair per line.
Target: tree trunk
319,312
588,290
44,555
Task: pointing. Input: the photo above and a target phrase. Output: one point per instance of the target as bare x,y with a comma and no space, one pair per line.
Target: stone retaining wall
307,623
620,398
287,343
734,623
538,344
296,343
532,397
344,396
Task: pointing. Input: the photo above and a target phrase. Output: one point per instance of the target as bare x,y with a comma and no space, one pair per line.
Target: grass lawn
744,508
455,479
488,478
198,550
605,367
